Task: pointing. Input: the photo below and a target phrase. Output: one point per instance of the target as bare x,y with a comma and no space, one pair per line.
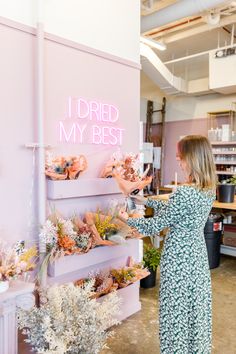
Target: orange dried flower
66,242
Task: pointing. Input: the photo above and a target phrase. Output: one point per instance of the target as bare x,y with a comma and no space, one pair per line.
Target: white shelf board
81,188
225,162
129,299
224,153
230,251
94,258
226,143
225,173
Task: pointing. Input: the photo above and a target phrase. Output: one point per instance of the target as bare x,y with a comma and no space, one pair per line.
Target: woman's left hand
123,215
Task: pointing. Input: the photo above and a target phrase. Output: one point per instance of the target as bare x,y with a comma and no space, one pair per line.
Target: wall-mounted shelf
223,143
81,188
126,294
225,162
224,153
74,267
225,173
95,257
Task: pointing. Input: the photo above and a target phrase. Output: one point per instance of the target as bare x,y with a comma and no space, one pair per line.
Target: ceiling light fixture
152,43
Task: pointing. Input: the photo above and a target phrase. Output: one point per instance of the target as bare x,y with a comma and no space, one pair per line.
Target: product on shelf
73,236
108,281
62,168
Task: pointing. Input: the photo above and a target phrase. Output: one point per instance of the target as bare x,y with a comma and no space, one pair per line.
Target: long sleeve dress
185,285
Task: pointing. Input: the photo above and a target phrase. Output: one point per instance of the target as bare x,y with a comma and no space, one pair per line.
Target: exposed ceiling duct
157,71
177,11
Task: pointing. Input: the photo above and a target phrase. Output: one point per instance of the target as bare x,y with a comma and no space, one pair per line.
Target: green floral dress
185,285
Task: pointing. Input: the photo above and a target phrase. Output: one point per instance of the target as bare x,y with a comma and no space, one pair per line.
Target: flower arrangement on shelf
73,236
65,236
61,168
129,274
14,262
108,281
69,320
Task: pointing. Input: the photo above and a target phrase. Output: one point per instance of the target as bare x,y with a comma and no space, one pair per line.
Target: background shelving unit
224,151
225,156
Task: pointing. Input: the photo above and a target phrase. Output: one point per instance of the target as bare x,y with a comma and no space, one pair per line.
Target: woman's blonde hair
196,151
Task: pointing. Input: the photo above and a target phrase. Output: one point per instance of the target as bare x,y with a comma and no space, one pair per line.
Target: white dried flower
48,234
70,321
67,227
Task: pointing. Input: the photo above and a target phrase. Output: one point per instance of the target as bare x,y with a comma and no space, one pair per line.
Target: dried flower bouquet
14,263
61,168
108,281
126,169
69,320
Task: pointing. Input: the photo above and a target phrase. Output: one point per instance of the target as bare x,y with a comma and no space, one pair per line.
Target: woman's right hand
138,199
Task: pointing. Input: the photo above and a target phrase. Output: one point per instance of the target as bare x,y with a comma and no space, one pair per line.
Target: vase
150,280
4,286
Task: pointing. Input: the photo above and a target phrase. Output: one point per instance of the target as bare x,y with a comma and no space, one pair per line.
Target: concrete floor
139,333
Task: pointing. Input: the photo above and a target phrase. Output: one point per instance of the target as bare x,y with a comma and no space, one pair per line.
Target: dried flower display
108,281
103,283
61,168
126,165
73,236
69,321
109,229
126,169
65,236
129,274
14,263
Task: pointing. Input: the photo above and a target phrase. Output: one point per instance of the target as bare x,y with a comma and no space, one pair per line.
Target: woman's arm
157,205
168,215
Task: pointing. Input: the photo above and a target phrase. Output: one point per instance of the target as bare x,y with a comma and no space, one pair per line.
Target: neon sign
90,122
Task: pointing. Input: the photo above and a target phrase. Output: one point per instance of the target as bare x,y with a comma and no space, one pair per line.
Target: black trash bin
213,233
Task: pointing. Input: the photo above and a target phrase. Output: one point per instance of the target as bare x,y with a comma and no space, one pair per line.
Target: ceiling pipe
177,11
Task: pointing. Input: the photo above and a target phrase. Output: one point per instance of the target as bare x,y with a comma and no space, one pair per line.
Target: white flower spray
70,321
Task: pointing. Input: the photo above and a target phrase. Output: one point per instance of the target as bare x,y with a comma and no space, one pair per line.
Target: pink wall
70,70
17,113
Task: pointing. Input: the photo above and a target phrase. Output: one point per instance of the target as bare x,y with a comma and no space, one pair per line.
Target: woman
185,285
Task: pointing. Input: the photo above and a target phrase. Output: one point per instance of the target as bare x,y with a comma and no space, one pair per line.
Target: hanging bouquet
61,168
69,320
14,263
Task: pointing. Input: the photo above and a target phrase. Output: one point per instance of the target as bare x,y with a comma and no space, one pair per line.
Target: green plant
231,180
151,257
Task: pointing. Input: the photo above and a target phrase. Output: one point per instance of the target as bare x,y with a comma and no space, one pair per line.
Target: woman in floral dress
185,285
